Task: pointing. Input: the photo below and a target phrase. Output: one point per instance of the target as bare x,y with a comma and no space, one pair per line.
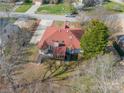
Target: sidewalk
33,9
42,25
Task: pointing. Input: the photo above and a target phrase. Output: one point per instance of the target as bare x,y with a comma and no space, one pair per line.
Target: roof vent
66,25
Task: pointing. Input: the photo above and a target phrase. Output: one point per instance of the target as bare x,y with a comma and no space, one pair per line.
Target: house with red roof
62,43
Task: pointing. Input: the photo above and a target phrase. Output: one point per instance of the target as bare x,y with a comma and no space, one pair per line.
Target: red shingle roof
71,37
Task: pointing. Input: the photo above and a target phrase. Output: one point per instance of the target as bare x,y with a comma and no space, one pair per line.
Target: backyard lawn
32,53
24,7
115,7
108,8
55,9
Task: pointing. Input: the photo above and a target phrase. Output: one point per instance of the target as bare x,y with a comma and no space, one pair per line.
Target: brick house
62,43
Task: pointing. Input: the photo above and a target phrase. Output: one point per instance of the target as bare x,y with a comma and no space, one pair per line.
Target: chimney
66,25
67,30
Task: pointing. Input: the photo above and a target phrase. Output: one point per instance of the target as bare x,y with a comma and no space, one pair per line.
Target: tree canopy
94,40
89,3
28,1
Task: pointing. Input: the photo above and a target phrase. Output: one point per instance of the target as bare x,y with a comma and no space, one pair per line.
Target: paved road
49,16
39,16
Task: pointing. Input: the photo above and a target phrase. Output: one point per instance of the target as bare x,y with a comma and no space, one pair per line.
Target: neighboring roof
8,31
71,37
120,39
36,1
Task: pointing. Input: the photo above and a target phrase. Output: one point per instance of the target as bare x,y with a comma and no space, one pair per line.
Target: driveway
40,31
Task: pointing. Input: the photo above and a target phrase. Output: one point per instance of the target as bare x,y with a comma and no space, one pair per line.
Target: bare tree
101,75
88,3
113,21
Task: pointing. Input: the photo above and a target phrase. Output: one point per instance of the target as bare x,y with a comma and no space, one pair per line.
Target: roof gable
71,37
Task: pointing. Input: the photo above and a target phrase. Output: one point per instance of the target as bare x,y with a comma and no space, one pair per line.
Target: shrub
28,1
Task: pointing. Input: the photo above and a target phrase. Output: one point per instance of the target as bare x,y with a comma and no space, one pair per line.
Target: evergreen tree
94,40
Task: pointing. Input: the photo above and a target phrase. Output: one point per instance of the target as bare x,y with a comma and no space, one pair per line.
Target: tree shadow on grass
54,71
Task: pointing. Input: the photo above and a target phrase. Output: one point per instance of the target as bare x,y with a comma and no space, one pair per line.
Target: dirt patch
71,24
30,72
27,24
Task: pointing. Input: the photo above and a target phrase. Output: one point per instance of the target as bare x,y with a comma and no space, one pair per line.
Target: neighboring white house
7,32
79,4
38,2
81,1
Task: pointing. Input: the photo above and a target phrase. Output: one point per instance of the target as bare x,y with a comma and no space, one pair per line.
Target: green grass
24,7
116,7
55,9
